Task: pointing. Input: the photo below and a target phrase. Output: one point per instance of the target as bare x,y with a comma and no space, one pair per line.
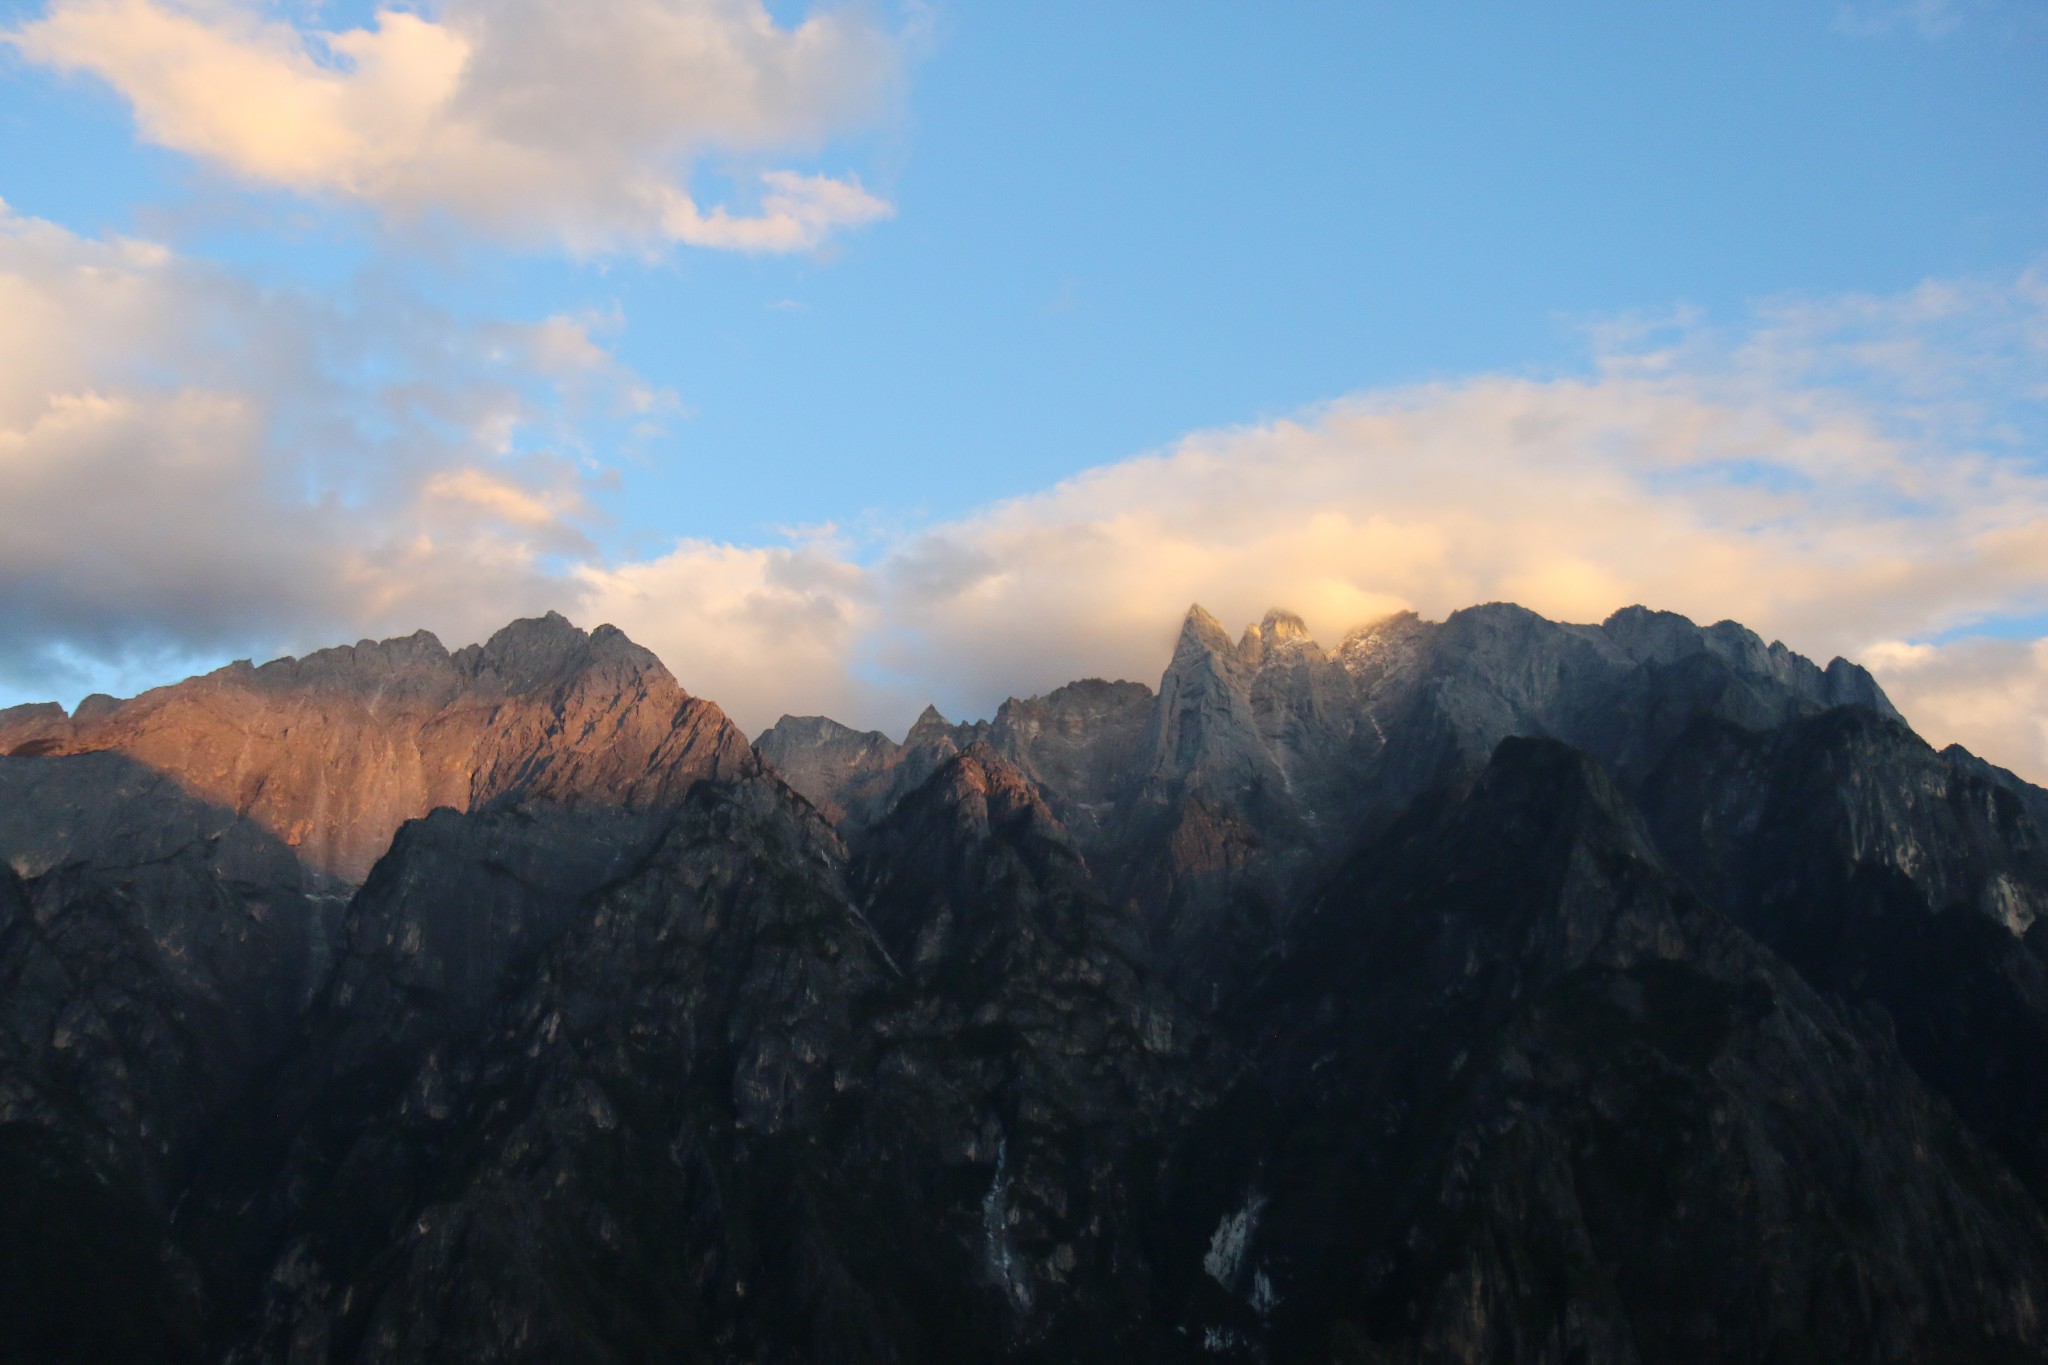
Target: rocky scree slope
1490,989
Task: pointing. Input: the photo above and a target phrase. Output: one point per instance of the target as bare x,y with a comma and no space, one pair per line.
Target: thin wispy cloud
536,122
1880,18
1934,19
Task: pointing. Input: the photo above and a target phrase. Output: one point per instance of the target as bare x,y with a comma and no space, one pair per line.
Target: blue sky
1085,236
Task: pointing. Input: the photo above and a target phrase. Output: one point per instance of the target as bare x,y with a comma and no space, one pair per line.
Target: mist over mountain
1490,989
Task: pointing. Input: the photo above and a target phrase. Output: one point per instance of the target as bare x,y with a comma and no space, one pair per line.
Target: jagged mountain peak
981,783
1384,647
930,727
1664,637
1381,627
1281,624
1280,635
1200,634
815,729
416,661
542,651
31,713
525,657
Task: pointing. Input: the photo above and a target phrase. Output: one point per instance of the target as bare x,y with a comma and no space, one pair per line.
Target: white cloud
531,119
776,628
192,466
1842,474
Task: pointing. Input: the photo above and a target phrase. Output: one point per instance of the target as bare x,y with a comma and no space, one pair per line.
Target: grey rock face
1894,878
1262,723
1203,728
1386,655
855,776
2032,799
1665,637
847,774
1261,760
1082,747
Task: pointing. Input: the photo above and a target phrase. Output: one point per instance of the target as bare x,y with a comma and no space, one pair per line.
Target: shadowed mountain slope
1479,990
1524,1098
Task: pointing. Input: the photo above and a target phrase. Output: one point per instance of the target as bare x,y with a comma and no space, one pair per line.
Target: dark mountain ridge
1486,989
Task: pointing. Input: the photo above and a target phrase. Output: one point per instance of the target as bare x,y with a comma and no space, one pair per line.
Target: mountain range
1491,989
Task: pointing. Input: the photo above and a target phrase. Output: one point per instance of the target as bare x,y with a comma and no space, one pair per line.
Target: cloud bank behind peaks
211,467
532,120
1855,476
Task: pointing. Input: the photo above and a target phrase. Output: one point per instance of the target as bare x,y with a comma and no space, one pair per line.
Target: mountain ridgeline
1488,990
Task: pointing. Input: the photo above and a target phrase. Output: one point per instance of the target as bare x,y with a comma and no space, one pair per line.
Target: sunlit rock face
1491,989
333,752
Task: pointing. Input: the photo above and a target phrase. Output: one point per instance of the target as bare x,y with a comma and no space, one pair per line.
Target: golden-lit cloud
1989,695
532,120
780,628
1745,478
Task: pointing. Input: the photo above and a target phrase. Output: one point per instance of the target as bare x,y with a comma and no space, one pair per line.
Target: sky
857,355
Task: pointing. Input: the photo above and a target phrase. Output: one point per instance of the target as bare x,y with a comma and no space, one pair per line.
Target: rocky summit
1490,989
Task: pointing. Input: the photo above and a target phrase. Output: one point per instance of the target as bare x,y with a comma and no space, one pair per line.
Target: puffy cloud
1989,695
192,466
763,630
528,118
1840,474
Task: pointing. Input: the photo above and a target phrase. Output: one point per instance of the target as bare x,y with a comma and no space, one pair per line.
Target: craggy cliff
331,753
1479,990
